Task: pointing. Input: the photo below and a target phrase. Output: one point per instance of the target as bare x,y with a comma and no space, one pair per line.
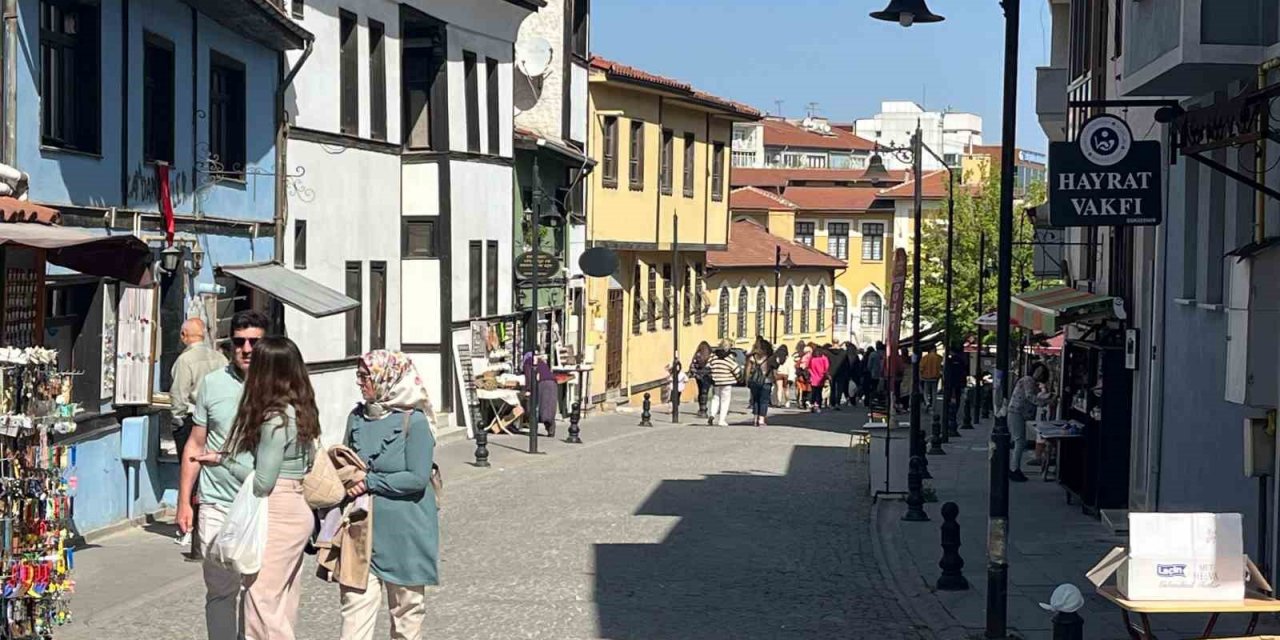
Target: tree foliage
977,210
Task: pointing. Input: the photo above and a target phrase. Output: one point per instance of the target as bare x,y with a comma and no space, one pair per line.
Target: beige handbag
322,488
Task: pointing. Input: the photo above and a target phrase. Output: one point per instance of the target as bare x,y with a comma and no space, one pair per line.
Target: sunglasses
240,342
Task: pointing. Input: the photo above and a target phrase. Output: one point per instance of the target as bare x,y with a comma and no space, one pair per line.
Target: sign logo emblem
1105,140
1171,570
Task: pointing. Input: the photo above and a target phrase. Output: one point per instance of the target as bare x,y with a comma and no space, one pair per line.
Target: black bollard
574,429
967,401
915,499
1068,625
645,416
952,565
986,399
935,443
941,423
482,447
952,424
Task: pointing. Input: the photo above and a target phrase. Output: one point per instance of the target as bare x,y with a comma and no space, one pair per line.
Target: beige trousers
360,610
271,597
222,586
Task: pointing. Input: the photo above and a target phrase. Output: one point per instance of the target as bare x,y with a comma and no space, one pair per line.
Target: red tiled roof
751,245
934,187
780,133
679,87
753,198
832,198
749,177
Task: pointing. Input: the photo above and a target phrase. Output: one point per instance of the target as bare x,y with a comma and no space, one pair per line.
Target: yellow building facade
659,198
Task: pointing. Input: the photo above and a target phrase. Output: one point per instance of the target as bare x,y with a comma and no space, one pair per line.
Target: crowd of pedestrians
815,378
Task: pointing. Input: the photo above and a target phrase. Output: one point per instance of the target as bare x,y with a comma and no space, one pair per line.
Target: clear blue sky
832,53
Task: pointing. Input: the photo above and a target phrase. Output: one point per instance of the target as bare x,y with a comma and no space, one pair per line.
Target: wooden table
1254,604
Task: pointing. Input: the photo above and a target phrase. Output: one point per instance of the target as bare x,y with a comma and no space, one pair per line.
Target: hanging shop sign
542,263
1104,178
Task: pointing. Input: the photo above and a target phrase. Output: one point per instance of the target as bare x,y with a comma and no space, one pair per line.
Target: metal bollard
945,434
935,442
482,447
986,399
952,565
915,500
1068,625
574,429
645,415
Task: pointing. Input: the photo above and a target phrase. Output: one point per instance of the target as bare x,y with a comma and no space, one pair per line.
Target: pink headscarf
397,387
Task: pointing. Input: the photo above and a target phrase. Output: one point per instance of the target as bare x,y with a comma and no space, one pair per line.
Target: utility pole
535,276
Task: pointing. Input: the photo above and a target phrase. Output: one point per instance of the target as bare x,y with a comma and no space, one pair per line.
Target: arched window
841,311
762,306
788,321
822,309
723,325
804,310
742,312
872,308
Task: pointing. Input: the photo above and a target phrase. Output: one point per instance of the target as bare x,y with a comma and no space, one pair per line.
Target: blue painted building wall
118,177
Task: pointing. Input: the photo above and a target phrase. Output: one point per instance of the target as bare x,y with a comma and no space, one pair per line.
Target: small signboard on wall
1105,178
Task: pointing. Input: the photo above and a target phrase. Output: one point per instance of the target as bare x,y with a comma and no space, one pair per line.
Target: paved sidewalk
1051,543
681,532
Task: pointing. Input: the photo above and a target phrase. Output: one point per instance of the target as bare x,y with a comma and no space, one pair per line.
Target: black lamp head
876,173
907,13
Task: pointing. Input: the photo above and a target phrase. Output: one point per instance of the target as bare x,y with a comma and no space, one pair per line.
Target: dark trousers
840,391
815,396
704,393
760,394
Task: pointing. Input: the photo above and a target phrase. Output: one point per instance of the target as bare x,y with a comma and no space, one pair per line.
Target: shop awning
1048,310
298,291
123,257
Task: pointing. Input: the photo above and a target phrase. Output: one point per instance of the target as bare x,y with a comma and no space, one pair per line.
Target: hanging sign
541,263
1105,178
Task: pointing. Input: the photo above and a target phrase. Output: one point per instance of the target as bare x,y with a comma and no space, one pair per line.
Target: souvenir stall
1095,391
37,472
492,376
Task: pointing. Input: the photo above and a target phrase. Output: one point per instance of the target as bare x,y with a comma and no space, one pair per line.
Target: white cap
1066,598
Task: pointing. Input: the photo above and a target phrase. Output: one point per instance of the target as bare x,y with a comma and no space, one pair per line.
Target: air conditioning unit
1253,313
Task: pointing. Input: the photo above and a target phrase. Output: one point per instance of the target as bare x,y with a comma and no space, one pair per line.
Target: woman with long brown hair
277,421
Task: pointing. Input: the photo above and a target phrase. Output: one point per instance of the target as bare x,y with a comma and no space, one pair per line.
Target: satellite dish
598,262
533,56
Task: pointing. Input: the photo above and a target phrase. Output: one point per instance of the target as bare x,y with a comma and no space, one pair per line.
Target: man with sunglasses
213,413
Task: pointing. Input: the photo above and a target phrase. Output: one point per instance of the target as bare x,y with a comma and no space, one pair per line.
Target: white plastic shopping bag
243,538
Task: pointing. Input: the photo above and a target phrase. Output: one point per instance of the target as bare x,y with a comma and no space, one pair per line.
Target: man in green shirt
213,413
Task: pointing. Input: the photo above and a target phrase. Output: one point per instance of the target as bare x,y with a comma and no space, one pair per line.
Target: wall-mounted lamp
170,258
197,257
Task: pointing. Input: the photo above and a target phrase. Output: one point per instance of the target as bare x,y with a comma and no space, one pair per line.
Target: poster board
135,346
462,370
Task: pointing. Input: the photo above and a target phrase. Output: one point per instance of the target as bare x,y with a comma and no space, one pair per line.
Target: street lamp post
906,13
532,330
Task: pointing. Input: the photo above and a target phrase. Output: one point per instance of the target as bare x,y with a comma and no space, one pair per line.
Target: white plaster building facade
950,134
406,173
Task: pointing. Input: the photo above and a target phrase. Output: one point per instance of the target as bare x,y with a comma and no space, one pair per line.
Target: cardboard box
1181,556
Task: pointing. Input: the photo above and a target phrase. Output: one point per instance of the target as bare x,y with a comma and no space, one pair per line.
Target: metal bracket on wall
1233,174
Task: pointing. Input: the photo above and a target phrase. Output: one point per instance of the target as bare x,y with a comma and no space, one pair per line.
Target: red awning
15,210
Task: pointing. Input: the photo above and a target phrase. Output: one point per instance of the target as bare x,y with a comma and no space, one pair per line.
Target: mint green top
278,456
214,409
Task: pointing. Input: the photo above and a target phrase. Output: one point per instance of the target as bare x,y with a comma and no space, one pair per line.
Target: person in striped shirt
724,370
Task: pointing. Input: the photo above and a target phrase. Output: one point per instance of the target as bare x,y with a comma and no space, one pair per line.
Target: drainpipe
1260,156
10,72
282,143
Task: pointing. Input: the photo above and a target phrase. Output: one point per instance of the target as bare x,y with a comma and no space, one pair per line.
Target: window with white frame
872,309
804,233
815,161
742,312
804,310
873,241
841,311
838,240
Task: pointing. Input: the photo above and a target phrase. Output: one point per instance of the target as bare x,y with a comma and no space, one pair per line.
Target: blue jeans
760,394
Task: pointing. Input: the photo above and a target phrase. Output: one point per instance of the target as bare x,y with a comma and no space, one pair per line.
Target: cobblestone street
688,532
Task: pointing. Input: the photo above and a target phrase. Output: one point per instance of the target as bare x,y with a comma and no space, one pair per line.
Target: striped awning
1047,311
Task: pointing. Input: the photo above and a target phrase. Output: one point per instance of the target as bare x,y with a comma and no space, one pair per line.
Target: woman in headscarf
542,381
393,431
